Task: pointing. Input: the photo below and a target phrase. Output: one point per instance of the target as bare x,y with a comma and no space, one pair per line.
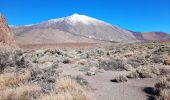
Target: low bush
66,61
163,88
128,67
136,61
113,64
158,59
162,50
167,60
120,79
12,58
144,72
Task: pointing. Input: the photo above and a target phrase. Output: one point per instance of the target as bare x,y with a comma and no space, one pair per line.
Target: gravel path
104,89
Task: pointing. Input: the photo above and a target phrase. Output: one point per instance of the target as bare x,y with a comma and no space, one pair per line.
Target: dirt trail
104,89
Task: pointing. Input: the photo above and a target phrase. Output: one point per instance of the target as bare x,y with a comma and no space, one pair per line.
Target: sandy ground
104,89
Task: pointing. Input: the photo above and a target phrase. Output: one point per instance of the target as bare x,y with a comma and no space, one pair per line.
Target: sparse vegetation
163,50
144,72
167,60
128,67
136,61
120,79
54,74
158,59
163,88
67,89
113,64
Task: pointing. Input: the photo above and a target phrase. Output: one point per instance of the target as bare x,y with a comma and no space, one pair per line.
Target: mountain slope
156,36
73,27
6,37
152,36
48,35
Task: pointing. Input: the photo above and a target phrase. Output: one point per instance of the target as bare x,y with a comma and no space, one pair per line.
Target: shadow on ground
151,92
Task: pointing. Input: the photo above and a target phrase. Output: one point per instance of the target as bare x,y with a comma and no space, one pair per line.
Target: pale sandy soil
104,89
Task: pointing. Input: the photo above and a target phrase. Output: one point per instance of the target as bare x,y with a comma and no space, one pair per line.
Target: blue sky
136,15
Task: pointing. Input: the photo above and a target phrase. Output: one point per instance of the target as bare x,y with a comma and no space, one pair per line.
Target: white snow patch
76,18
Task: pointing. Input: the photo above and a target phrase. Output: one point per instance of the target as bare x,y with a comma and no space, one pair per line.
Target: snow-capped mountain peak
77,18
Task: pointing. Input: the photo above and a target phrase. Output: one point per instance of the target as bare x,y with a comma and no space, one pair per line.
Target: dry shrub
113,64
163,50
165,94
144,72
137,61
163,83
158,59
163,88
120,79
167,60
82,62
20,93
73,60
128,67
13,58
9,79
68,89
66,61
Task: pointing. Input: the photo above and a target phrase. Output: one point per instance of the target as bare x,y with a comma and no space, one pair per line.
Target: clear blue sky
136,15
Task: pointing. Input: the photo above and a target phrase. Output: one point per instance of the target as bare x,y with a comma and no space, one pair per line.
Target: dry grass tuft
167,60
165,94
54,96
10,79
20,93
68,89
163,87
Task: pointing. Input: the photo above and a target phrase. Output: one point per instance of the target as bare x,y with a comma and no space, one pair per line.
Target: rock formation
6,37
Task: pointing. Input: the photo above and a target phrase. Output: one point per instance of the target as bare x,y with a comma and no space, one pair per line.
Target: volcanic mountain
6,37
74,28
152,36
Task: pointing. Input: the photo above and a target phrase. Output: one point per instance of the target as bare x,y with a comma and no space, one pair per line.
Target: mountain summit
74,28
76,18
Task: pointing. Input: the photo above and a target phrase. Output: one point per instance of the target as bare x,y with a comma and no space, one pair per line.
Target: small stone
90,73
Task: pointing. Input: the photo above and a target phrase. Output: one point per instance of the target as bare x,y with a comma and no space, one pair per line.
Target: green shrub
162,50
